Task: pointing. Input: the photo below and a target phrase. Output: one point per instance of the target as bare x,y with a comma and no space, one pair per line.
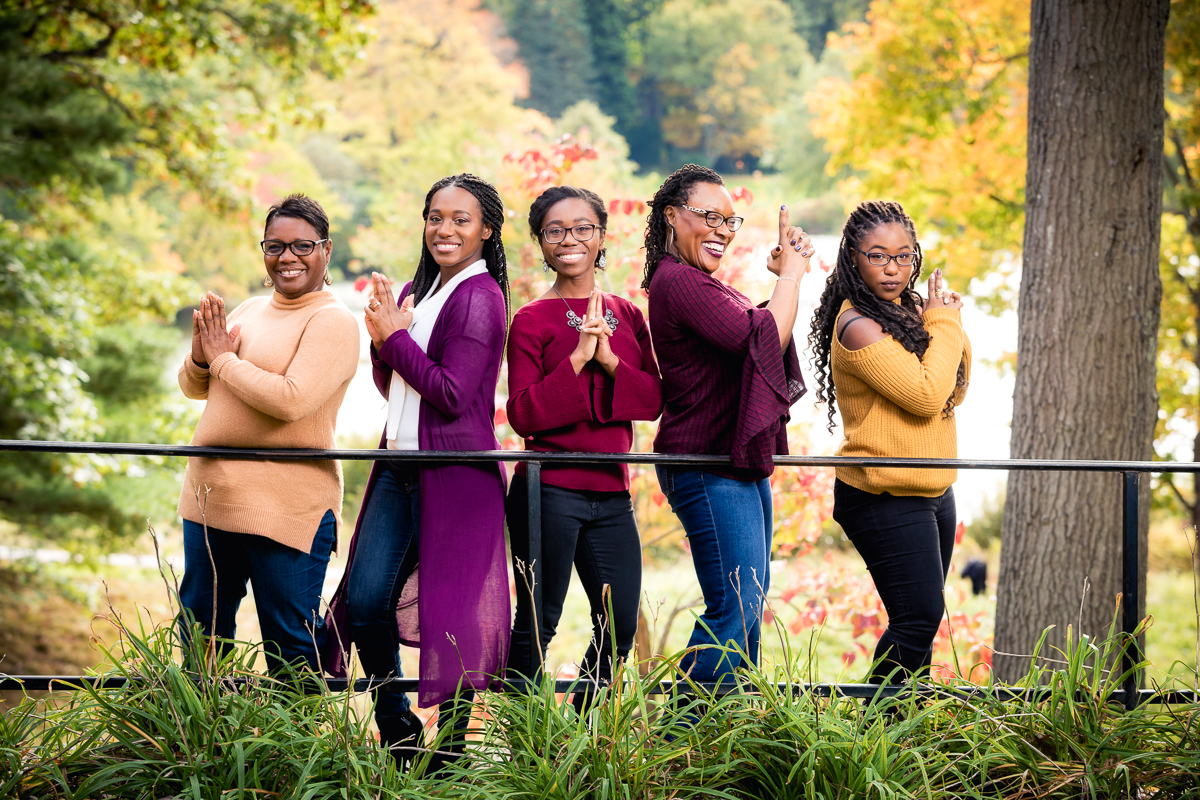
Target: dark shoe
401,736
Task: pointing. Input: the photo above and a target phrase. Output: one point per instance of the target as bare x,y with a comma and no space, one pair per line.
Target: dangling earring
601,263
545,265
328,278
268,282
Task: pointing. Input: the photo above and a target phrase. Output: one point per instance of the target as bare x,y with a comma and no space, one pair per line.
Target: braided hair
675,191
902,322
493,247
546,200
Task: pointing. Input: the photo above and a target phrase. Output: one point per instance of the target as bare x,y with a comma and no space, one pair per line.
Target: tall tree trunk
1089,308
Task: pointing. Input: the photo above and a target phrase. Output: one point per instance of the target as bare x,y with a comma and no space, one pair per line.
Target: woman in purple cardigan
436,358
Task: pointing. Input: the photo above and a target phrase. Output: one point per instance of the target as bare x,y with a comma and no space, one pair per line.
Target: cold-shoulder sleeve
538,401
475,336
921,386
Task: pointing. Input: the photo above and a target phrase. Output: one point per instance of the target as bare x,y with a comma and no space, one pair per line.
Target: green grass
170,736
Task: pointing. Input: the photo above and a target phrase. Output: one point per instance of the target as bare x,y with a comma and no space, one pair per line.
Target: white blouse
404,403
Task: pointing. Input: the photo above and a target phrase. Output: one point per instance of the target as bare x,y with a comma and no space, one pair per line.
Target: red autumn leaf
361,283
958,533
627,206
613,205
501,416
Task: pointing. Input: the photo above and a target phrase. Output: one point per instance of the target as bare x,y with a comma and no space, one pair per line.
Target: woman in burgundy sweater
580,370
730,374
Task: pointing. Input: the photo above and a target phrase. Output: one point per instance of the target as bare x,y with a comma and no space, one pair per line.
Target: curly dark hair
493,248
675,191
902,322
542,204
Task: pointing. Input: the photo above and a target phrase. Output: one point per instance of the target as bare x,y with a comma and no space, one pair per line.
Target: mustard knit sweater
281,388
891,404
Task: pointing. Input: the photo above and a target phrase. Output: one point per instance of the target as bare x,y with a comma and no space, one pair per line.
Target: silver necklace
576,322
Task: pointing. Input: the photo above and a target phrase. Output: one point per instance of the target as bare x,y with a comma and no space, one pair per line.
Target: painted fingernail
793,241
783,208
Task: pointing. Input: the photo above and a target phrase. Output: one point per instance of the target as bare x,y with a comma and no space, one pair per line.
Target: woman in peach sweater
898,365
273,376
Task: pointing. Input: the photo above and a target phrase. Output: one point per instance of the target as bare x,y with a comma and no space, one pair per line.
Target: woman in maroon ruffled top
730,374
580,370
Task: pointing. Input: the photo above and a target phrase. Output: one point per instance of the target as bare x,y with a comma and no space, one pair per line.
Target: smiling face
888,281
569,257
295,276
696,243
454,230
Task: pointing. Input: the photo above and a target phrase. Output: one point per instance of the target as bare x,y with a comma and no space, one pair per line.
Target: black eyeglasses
581,233
301,247
714,220
877,259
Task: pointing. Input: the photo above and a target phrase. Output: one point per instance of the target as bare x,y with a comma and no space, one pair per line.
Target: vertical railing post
533,477
1129,591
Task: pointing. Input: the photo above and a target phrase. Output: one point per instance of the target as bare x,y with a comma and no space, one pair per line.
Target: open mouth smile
714,249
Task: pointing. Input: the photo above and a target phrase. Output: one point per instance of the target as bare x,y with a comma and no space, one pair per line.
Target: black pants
598,533
907,543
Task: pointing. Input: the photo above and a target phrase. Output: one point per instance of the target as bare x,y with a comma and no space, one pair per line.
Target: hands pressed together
382,315
209,335
594,338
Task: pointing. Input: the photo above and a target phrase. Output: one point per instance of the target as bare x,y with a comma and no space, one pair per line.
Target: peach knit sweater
891,404
281,388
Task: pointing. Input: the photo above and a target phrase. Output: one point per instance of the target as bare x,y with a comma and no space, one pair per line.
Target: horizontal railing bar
41,683
666,459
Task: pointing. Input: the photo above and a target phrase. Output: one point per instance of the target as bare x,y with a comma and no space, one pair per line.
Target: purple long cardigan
463,616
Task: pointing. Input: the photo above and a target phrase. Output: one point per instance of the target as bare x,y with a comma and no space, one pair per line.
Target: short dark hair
300,206
544,201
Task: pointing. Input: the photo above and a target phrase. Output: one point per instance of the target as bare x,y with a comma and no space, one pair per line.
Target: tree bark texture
1088,311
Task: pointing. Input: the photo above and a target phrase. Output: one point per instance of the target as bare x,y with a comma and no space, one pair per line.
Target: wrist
199,362
578,361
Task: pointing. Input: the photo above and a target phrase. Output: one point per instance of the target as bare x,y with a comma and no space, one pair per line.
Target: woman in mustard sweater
899,365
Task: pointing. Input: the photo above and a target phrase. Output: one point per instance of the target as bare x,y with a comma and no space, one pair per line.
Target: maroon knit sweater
727,384
558,411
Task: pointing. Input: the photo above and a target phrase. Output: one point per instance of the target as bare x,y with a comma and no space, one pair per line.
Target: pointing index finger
783,225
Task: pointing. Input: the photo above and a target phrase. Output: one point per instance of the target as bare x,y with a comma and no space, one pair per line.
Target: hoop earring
328,278
268,282
670,238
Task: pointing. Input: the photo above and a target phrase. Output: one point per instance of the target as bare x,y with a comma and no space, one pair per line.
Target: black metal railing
1132,471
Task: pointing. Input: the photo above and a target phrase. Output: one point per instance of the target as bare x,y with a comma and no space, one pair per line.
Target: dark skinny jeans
907,543
598,533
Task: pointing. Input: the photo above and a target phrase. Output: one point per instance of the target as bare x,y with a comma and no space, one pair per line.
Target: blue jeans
728,524
906,543
389,537
287,589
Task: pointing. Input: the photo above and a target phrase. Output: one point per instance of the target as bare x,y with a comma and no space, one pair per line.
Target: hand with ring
790,257
382,316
